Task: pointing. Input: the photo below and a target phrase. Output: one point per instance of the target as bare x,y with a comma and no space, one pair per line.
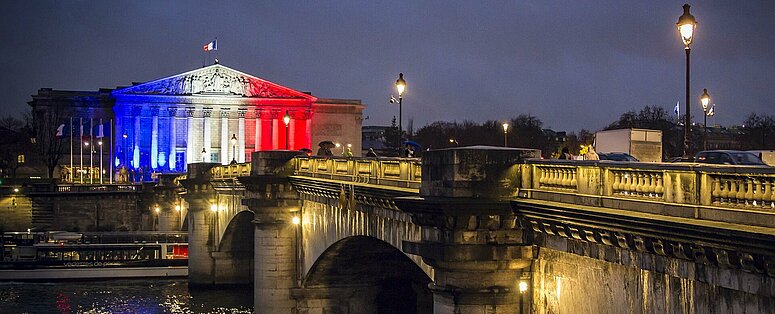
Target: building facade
211,114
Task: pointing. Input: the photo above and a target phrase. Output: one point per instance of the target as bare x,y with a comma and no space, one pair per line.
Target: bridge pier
478,251
271,198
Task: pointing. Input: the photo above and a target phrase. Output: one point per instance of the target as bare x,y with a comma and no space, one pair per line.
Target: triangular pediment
214,80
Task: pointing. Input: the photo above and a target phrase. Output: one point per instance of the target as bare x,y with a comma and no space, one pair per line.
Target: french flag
213,45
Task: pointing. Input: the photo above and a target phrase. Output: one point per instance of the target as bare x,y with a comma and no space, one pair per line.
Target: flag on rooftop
676,109
213,45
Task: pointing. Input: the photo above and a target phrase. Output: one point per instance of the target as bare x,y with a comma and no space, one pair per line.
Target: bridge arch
364,272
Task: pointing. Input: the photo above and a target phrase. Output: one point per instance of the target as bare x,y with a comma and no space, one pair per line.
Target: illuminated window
20,159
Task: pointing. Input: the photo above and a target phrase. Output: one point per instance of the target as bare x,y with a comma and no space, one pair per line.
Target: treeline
526,131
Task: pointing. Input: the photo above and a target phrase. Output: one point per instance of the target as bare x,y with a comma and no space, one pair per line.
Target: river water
121,296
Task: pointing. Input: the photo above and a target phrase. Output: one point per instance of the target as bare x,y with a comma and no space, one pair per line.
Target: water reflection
121,296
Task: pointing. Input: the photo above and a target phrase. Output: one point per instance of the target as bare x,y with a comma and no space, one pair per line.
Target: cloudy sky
573,64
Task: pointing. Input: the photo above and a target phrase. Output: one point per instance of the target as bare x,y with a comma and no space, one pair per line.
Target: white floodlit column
136,140
173,139
154,138
191,155
225,136
207,133
241,136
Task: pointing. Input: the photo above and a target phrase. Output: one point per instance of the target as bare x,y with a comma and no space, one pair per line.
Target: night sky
570,63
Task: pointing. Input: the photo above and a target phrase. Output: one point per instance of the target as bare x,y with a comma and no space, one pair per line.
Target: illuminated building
162,125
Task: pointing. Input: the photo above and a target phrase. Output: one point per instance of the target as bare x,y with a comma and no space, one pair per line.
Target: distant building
212,114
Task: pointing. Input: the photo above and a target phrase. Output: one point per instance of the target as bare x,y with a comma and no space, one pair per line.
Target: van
767,156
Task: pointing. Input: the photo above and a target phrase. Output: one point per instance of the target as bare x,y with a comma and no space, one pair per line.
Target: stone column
308,129
292,134
225,136
136,112
207,134
478,251
154,137
173,138
274,202
257,146
241,135
191,155
275,130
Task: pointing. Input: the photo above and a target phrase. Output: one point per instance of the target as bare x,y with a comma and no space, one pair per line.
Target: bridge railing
230,171
387,171
81,188
743,194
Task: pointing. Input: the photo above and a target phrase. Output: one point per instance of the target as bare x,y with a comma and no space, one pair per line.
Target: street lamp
705,100
505,132
400,87
233,148
686,25
204,154
287,121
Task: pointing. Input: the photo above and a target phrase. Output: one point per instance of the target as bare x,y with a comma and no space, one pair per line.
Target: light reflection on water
121,296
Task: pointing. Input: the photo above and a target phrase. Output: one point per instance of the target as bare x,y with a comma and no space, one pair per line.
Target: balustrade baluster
650,183
772,192
573,181
748,191
565,178
740,195
659,189
716,192
616,182
758,193
639,186
627,183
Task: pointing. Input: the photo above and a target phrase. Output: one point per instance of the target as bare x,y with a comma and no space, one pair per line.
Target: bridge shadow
237,247
367,275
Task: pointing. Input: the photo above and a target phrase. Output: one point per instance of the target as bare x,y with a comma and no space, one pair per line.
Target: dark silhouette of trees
45,121
757,129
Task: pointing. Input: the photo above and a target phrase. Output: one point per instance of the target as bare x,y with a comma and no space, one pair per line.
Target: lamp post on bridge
686,25
505,133
705,100
400,88
234,149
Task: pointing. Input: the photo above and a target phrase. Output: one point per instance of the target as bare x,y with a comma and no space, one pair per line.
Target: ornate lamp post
233,149
686,25
505,132
287,121
704,101
204,154
400,87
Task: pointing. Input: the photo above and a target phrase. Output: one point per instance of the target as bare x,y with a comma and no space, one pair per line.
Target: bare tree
11,123
46,121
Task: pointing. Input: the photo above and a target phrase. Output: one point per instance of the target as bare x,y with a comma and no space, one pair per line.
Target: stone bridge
484,230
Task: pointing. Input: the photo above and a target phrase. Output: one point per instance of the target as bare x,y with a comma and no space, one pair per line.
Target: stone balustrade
230,171
80,188
395,172
740,194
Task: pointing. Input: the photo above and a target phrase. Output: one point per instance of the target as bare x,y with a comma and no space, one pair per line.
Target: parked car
617,156
728,157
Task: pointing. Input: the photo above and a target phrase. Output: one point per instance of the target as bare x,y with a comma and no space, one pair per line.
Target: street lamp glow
296,220
157,209
337,145
400,84
505,127
16,190
686,26
177,208
522,286
705,99
505,133
286,118
214,208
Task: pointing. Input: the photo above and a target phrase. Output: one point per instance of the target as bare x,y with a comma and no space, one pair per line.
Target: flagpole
80,140
91,151
71,150
111,150
101,152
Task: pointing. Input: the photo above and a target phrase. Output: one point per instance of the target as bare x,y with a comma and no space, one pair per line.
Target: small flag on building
676,109
213,45
60,131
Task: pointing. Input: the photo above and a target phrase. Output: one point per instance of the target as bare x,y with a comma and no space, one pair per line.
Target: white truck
643,144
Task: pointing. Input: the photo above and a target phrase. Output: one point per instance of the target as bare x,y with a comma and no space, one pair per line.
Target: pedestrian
591,154
566,154
371,153
348,153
